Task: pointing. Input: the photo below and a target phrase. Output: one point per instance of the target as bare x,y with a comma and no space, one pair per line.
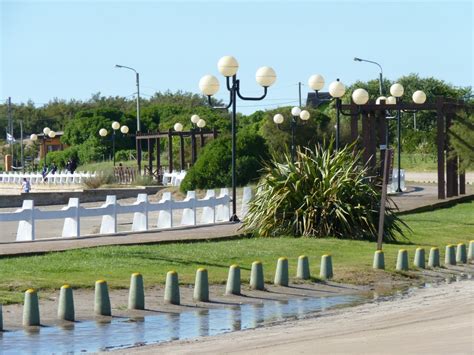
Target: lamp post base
234,219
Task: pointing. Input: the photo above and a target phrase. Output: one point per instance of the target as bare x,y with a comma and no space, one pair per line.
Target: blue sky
68,49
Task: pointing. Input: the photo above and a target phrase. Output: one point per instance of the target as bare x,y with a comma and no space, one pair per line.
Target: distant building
50,144
316,101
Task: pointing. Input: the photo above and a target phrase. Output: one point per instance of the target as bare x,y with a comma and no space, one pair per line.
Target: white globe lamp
397,90
316,82
360,96
419,97
228,66
209,85
265,76
337,89
178,127
304,115
278,118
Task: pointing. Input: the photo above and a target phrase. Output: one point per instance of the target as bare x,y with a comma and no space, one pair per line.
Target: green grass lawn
352,259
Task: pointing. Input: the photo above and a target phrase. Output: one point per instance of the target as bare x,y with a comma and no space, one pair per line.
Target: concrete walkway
221,231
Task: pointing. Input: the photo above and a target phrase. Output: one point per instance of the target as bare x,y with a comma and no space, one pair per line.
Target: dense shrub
60,158
322,194
213,167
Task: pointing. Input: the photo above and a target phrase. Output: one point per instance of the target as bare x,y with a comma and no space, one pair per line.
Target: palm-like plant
324,193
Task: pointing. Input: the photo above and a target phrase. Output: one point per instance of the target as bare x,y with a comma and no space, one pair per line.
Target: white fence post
165,217
208,213
189,214
109,221
140,219
223,211
246,197
26,227
72,225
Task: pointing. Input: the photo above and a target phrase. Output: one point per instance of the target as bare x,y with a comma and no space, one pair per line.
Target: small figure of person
53,169
25,186
44,173
72,166
68,166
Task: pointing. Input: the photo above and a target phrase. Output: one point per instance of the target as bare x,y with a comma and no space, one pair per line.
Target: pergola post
441,141
372,143
450,161
158,158
181,150
365,137
193,146
150,157
138,143
170,150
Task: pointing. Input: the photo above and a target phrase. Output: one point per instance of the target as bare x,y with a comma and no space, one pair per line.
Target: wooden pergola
153,140
373,133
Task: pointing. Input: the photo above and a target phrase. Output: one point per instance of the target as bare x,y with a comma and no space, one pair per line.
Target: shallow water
128,332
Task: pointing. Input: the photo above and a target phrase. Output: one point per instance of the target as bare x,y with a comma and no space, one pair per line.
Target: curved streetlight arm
338,107
209,101
369,61
265,89
123,66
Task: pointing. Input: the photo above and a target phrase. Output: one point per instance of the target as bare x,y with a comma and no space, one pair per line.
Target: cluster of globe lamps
47,132
115,126
195,120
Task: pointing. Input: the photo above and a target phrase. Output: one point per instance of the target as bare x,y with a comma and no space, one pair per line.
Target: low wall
62,198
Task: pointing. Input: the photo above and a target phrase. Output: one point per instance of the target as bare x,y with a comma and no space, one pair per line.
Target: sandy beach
434,320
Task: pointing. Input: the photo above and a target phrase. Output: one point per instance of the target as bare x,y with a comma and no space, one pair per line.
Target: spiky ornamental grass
323,194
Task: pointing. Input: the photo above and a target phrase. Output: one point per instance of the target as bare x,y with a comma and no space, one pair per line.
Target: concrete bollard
302,272
470,252
419,258
461,255
201,286
66,304
31,315
450,256
172,288
1,318
257,281
326,267
102,300
433,260
402,260
136,295
233,281
379,260
281,273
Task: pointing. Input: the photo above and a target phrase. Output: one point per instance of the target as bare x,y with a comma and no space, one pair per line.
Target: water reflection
118,333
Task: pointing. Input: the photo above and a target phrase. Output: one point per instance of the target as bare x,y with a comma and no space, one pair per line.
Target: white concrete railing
174,178
59,178
214,209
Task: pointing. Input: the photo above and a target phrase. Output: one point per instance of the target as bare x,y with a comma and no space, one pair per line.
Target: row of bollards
453,255
136,300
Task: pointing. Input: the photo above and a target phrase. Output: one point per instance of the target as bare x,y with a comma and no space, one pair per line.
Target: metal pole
299,91
338,107
113,145
234,217
399,149
44,148
293,146
380,82
138,101
10,126
21,146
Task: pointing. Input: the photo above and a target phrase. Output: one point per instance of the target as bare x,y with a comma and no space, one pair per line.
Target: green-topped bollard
450,256
302,272
257,281
470,252
281,273
201,286
461,255
102,300
136,294
433,260
326,267
31,314
172,288
379,260
66,304
233,281
419,258
402,260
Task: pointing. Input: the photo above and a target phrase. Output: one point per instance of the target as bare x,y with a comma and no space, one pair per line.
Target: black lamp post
209,85
295,113
115,126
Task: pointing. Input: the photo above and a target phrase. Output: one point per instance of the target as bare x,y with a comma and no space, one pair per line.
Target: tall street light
209,85
139,147
115,126
295,113
380,74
